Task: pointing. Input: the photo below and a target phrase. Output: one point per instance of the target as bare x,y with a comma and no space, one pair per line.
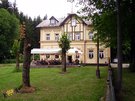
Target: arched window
91,54
101,54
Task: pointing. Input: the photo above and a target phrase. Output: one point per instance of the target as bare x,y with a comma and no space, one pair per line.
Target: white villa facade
79,32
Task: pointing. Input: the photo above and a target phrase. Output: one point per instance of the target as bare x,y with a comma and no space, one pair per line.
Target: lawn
78,84
128,86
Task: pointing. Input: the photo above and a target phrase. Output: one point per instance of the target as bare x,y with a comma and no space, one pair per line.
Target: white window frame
77,36
91,54
73,23
91,35
70,36
47,36
101,54
56,36
52,21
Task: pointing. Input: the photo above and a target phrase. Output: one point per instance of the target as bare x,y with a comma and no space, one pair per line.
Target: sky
34,8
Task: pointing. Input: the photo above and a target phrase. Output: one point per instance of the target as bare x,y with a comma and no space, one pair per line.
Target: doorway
70,59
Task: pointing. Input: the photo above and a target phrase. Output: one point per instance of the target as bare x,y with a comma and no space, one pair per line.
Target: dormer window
52,22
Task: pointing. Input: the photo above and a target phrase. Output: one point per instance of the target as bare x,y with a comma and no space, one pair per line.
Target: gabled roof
53,18
61,21
46,23
75,15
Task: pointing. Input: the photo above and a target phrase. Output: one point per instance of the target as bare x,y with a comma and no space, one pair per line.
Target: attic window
52,21
73,23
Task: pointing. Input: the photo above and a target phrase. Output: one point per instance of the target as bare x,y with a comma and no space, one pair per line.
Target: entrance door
69,59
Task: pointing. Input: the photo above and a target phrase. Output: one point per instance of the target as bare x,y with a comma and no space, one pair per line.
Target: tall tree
16,49
9,28
5,4
29,36
36,32
28,44
64,44
105,22
26,86
119,47
26,61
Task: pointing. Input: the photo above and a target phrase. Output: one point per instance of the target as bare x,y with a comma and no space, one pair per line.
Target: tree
26,86
36,32
105,22
28,42
119,47
16,49
5,4
26,62
29,39
64,44
9,28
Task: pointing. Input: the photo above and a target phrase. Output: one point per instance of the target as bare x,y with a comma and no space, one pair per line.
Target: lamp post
98,70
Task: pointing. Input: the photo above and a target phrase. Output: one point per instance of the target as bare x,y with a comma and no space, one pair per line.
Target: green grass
128,90
128,85
79,84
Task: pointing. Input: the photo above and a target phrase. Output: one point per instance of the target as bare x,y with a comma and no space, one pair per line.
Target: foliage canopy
9,28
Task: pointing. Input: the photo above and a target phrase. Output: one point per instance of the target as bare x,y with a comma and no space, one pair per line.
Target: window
91,54
56,56
77,54
77,36
47,36
101,54
91,35
56,36
70,36
47,56
73,23
52,21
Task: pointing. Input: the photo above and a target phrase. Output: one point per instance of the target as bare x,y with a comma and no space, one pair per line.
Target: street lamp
98,70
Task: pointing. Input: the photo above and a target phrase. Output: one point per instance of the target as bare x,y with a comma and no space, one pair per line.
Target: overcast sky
34,8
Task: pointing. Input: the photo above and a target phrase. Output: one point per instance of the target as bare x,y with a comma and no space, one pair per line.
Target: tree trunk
132,53
64,62
26,64
17,61
132,31
119,48
98,71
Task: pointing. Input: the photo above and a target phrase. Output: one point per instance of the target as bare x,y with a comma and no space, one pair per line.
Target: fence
110,95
